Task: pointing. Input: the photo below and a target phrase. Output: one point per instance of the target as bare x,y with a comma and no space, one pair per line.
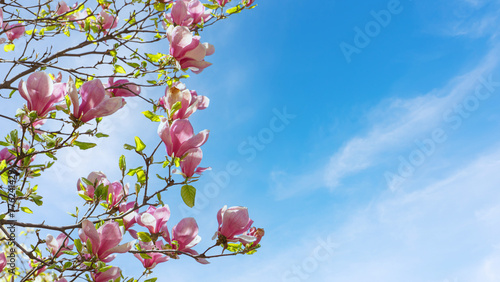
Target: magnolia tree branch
107,38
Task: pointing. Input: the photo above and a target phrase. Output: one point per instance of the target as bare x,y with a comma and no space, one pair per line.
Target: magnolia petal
194,142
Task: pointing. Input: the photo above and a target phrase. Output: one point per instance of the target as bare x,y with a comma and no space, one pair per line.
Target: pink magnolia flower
185,233
6,155
247,3
104,241
188,13
190,163
122,88
3,261
257,233
14,31
129,219
41,93
62,8
223,2
118,193
179,137
187,49
1,17
61,280
156,258
190,100
107,21
95,101
155,220
111,274
233,223
58,245
96,177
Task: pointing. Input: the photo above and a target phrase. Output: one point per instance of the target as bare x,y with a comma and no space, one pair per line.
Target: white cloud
396,123
449,231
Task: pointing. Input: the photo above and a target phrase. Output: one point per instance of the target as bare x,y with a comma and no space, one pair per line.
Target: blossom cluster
152,238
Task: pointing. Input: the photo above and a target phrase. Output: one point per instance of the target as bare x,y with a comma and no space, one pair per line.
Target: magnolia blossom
187,49
111,274
107,21
104,240
122,88
129,219
41,93
223,2
62,8
3,261
188,13
190,163
155,220
117,192
233,223
179,137
57,245
96,177
156,258
6,155
189,99
14,31
185,233
61,280
258,233
1,17
95,101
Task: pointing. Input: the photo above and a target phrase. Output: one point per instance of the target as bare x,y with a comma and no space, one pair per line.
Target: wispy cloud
396,123
445,232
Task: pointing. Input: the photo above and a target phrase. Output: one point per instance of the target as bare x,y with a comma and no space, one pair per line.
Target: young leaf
83,145
139,145
188,194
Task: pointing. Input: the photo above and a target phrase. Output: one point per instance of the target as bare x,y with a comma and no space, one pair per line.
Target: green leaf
141,176
119,69
121,163
67,264
83,145
128,147
152,116
9,47
177,106
145,256
85,197
151,280
188,194
5,175
26,210
100,135
139,145
134,65
144,237
155,58
104,269
211,6
78,245
233,10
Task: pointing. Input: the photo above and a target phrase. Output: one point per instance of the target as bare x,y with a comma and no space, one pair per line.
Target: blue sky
385,167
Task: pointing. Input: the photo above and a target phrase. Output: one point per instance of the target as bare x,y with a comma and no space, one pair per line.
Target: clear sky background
363,136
